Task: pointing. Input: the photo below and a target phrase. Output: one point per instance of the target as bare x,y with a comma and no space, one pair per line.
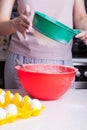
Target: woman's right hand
22,23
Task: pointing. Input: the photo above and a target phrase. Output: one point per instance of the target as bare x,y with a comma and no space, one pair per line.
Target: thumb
27,10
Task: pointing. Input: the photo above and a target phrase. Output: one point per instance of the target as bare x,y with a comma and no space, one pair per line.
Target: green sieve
53,28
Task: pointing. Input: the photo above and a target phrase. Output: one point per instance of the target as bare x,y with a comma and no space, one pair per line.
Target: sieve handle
77,31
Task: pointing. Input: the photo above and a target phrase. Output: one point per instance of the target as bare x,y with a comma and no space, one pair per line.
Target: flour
43,40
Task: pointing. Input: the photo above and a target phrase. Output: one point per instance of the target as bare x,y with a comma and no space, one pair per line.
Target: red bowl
46,82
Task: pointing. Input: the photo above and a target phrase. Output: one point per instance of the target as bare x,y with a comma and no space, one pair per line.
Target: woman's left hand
82,36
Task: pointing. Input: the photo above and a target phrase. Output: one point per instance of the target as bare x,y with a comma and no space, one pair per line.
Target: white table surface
67,113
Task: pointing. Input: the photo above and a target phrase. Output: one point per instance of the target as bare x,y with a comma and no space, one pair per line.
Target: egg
12,96
25,104
26,98
11,109
35,103
7,97
18,97
2,99
2,92
29,99
2,113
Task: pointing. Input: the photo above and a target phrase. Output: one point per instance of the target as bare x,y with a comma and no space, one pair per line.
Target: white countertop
67,113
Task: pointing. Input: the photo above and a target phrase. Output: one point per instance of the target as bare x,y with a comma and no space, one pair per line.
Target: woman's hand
22,22
82,36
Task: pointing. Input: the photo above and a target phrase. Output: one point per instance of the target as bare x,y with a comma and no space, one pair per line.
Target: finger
24,25
79,35
24,19
82,35
84,38
27,11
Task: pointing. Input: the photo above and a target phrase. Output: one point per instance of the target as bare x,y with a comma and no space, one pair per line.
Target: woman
26,44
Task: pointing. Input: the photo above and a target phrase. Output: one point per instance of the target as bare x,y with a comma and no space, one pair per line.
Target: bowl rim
32,64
